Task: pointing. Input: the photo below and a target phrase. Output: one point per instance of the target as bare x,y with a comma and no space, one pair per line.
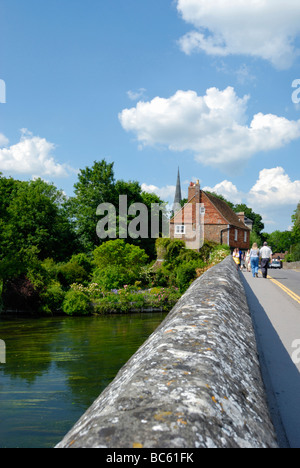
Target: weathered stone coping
194,383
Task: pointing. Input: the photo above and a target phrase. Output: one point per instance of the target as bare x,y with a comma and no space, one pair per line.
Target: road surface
275,307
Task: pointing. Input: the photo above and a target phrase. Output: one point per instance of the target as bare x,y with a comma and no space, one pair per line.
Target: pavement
275,311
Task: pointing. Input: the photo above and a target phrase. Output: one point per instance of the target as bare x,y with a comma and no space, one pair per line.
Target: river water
55,368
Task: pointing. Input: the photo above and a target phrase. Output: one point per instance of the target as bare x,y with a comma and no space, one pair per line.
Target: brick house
206,217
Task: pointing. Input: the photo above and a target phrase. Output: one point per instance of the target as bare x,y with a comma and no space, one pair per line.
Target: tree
118,263
258,225
296,221
33,217
295,248
95,186
280,242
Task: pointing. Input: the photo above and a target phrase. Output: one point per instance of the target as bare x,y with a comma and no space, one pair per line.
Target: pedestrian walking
265,254
236,258
247,260
254,260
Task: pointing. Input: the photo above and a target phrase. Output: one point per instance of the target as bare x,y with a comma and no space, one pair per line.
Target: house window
235,234
245,236
180,229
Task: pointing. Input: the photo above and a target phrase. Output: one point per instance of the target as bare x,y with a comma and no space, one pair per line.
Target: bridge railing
195,382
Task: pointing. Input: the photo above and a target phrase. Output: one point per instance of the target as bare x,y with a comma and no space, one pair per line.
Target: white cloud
274,188
213,127
228,190
32,155
166,193
260,28
3,140
135,95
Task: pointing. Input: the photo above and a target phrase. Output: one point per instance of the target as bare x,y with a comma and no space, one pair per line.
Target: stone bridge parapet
195,383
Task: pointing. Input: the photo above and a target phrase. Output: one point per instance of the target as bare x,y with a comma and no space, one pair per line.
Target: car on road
275,264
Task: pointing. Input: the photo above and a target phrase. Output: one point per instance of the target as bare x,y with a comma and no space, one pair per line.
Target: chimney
194,192
241,217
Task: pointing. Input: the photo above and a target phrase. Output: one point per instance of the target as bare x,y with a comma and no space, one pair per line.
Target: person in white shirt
265,254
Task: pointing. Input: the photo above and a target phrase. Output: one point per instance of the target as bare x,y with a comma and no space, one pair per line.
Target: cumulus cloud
260,28
31,155
213,127
228,190
274,188
164,193
3,140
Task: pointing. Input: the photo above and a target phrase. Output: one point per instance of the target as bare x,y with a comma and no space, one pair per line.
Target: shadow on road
281,376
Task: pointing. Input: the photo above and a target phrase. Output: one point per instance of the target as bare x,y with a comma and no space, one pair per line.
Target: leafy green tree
294,255
95,186
296,222
118,263
280,241
34,217
258,225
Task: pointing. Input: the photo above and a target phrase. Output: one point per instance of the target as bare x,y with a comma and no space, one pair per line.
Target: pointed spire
178,197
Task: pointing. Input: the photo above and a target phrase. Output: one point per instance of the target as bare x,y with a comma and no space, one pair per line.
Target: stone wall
194,383
291,265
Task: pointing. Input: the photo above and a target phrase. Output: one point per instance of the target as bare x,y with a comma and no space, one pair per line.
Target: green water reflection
55,368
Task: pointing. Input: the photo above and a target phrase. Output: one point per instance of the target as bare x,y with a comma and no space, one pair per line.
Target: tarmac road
275,308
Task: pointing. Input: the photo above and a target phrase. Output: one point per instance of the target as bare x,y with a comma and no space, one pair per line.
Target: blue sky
154,85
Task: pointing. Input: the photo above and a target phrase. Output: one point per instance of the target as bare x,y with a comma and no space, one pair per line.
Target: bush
294,255
174,249
52,298
118,263
70,273
113,277
118,252
219,254
84,261
76,303
186,274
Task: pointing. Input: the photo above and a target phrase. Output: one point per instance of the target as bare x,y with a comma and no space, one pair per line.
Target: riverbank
106,283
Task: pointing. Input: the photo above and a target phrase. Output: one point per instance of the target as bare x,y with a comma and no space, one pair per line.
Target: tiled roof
225,210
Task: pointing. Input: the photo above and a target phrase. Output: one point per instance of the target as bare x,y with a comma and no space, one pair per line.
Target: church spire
178,197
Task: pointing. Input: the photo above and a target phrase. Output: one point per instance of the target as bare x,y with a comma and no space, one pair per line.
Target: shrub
218,254
113,277
84,261
52,298
161,245
186,274
76,303
118,263
173,250
70,273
